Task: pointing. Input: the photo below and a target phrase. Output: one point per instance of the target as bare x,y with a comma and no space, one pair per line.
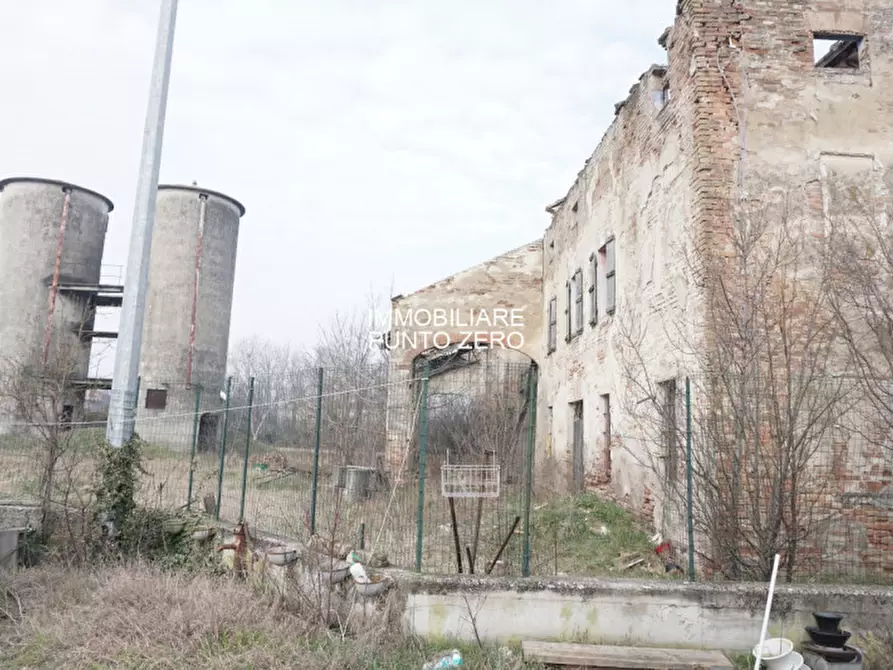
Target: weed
119,473
593,535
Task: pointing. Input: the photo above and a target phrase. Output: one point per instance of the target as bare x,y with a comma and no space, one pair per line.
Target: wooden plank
623,658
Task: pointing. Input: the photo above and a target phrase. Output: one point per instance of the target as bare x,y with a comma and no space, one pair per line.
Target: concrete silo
188,306
52,235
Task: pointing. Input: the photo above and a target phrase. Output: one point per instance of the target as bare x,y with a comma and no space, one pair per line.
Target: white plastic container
777,654
358,572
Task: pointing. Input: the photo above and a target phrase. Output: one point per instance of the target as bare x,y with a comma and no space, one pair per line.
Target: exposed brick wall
510,281
748,109
641,187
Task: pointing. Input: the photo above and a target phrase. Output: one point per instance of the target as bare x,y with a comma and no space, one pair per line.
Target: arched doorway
478,406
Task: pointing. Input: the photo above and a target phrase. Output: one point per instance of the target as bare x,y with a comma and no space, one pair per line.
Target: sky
378,145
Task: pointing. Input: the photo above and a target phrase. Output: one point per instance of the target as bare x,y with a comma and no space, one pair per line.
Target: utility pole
122,406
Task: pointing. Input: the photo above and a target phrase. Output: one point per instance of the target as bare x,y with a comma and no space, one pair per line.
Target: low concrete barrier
703,615
653,613
19,514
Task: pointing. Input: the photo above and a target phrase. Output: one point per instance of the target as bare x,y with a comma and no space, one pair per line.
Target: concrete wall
31,238
188,308
510,281
658,614
18,514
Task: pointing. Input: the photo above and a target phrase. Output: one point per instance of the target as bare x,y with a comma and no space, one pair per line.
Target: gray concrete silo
188,306
52,236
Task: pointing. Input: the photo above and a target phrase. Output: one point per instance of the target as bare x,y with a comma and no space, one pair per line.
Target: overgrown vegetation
136,589
118,481
140,616
586,535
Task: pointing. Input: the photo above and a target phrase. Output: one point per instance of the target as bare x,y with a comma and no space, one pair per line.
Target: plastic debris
357,571
451,659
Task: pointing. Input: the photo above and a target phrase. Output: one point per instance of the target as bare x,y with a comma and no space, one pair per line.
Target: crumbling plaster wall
510,281
797,113
766,119
636,188
747,106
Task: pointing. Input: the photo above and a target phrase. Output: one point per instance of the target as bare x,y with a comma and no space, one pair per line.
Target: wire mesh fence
434,471
321,464
741,471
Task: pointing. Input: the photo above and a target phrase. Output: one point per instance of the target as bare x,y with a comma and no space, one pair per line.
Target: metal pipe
315,482
195,429
504,545
57,268
528,468
127,355
247,447
423,446
456,542
765,628
229,385
203,210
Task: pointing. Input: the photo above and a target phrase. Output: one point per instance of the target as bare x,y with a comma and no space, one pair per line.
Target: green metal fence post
247,446
423,446
317,431
688,482
528,466
198,400
229,386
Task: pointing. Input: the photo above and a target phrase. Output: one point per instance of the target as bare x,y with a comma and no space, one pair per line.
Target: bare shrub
860,269
878,649
765,357
471,427
42,404
355,374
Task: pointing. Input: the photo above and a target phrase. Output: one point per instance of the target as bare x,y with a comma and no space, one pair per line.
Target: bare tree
860,269
355,395
268,363
764,359
42,397
286,382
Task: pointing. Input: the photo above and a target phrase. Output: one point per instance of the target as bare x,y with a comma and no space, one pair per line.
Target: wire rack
470,481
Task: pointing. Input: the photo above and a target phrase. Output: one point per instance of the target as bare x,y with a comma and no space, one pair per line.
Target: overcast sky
374,143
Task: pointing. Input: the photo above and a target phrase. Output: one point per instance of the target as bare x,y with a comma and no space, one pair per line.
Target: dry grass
140,617
878,650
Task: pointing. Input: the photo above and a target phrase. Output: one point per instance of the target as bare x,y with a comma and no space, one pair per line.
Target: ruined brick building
748,99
